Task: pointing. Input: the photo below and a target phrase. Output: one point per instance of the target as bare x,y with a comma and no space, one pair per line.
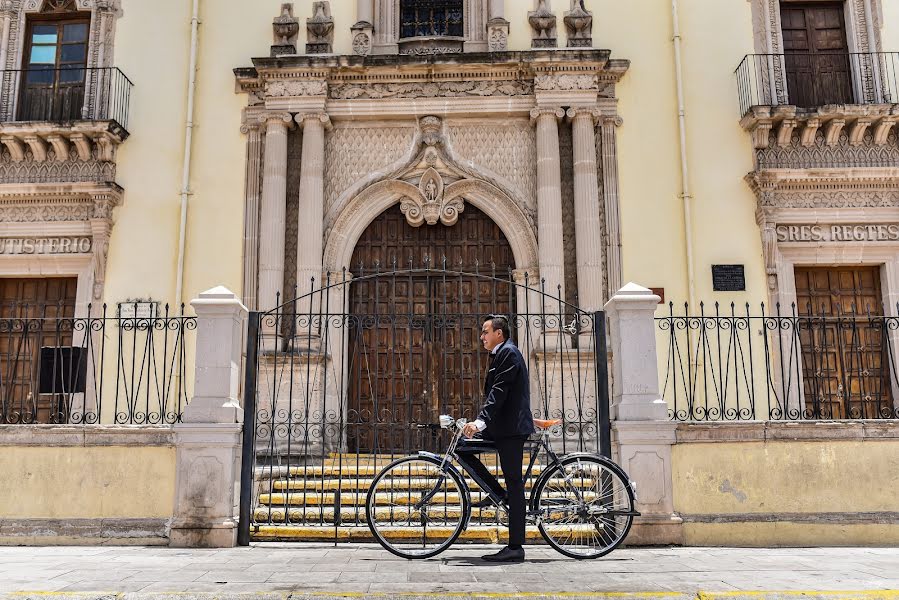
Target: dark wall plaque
728,278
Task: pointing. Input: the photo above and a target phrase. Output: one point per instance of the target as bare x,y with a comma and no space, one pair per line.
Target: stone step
357,498
348,515
475,534
346,469
360,484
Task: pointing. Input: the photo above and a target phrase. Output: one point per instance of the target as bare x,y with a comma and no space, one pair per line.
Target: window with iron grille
422,18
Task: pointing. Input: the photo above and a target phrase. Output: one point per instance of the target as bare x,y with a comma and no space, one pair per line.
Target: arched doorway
414,347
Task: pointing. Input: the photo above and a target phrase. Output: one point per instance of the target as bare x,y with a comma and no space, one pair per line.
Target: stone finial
579,25
320,29
543,23
285,27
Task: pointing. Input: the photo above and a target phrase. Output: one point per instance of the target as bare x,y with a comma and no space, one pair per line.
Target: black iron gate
338,379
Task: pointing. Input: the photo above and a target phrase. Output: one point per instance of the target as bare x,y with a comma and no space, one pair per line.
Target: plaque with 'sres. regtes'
728,278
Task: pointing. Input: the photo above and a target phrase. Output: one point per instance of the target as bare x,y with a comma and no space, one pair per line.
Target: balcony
62,114
855,91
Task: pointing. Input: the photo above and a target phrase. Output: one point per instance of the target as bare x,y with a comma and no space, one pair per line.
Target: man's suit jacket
507,395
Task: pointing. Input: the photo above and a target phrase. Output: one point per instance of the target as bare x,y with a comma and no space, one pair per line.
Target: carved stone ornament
543,23
579,25
320,29
442,89
285,28
361,42
295,88
565,83
497,35
429,205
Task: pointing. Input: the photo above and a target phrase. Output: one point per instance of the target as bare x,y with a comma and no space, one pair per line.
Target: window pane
48,38
74,32
43,55
73,53
69,75
39,76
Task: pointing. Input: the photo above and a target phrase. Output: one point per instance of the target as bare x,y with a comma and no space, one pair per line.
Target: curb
754,595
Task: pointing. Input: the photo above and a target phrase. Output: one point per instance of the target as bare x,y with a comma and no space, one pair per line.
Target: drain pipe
685,194
188,145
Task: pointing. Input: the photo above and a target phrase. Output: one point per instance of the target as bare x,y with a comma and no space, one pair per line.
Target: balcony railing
69,94
812,80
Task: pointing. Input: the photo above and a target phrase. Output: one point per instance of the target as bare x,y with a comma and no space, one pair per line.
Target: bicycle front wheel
416,510
585,506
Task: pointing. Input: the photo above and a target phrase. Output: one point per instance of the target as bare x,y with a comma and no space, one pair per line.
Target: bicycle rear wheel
416,510
586,506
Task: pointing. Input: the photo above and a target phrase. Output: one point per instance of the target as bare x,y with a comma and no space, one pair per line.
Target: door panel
414,347
816,58
845,357
35,313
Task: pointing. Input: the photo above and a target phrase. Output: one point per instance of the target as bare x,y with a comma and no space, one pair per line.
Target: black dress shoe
506,555
485,502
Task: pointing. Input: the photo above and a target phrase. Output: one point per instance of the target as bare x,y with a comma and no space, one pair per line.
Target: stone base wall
787,484
90,484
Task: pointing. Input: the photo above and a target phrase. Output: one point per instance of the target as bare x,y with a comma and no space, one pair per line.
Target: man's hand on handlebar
469,429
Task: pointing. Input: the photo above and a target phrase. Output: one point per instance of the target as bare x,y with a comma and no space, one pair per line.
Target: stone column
642,433
310,244
208,439
551,254
588,241
273,210
251,214
610,195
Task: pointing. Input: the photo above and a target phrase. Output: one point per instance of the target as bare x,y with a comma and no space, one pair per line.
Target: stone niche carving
320,29
429,205
285,27
579,25
543,24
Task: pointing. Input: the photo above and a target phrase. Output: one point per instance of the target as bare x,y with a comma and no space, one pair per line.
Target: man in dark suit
506,420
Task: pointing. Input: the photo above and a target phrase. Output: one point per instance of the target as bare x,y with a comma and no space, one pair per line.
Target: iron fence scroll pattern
105,368
728,363
339,378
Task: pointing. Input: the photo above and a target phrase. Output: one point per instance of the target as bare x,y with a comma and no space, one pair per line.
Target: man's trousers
511,454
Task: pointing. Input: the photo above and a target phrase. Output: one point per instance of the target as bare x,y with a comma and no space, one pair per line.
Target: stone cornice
556,70
855,119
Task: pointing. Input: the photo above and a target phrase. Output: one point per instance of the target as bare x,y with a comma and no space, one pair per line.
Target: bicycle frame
447,463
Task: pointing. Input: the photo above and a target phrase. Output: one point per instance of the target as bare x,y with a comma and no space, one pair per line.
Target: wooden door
414,346
845,357
816,55
34,313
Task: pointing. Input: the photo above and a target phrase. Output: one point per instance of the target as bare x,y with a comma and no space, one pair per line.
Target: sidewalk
364,570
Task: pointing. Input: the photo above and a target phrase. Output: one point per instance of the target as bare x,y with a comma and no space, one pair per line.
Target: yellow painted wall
807,477
87,482
716,34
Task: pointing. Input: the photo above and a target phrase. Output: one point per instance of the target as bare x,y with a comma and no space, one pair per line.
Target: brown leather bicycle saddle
546,424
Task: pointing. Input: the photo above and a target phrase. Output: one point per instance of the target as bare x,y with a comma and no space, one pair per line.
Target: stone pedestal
642,433
208,439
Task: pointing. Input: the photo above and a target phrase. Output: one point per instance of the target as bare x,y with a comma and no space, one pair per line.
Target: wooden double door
35,313
845,346
414,344
816,54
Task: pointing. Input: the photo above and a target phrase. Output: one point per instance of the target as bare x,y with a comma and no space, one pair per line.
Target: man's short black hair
500,322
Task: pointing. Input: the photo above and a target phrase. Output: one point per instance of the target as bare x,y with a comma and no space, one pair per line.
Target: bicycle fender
452,468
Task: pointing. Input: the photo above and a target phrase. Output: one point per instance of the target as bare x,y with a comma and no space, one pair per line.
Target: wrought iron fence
69,94
116,366
724,363
338,380
810,80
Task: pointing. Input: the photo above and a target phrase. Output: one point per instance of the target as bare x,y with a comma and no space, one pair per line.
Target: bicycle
582,503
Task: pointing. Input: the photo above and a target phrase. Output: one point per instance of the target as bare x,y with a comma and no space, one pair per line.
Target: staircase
326,502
